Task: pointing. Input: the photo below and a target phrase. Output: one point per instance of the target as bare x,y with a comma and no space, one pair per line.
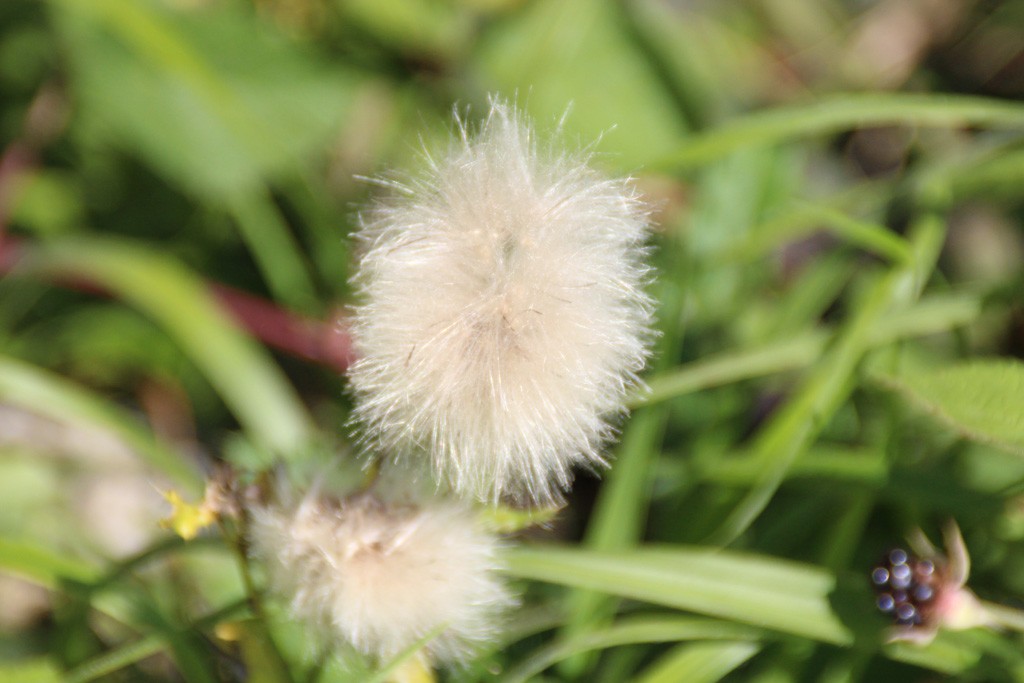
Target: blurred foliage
840,248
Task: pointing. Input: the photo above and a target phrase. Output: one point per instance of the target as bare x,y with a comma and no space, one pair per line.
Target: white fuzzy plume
381,577
503,315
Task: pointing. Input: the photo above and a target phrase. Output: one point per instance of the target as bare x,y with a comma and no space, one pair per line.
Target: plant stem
237,544
1007,617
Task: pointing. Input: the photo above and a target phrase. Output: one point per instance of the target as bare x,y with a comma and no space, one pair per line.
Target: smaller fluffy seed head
381,577
503,314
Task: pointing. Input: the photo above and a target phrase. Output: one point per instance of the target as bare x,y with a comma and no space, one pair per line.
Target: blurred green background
838,192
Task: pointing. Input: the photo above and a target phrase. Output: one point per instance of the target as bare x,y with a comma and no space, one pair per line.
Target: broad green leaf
415,27
699,662
243,373
764,592
698,53
557,53
211,98
982,399
214,101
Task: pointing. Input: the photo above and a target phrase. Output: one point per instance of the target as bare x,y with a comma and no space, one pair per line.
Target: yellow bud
186,519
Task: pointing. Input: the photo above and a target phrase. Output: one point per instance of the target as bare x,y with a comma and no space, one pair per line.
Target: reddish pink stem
326,343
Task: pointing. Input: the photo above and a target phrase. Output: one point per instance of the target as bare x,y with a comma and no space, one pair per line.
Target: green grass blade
841,112
125,602
699,662
798,423
115,660
621,508
734,366
130,653
872,237
999,177
944,655
43,567
153,39
764,592
799,219
56,572
275,250
860,465
217,101
42,392
39,670
631,631
932,315
243,373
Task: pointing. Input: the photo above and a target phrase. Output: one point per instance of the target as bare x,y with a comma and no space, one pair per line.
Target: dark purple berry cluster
906,587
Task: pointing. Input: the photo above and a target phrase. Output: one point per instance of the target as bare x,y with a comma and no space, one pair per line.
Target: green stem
127,655
237,544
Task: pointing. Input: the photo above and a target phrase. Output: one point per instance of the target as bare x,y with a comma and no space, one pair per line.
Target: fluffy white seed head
503,315
380,577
